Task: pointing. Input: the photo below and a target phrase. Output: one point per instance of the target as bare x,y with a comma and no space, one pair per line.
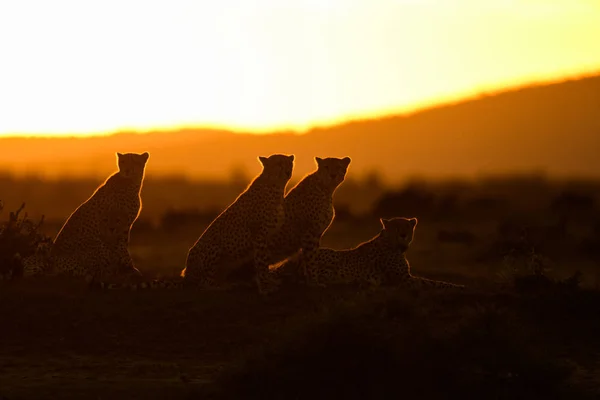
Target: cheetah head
399,231
332,171
132,165
277,168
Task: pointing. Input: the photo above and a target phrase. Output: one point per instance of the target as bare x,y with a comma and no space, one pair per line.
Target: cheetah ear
319,160
119,155
262,160
413,222
145,156
291,157
346,160
384,221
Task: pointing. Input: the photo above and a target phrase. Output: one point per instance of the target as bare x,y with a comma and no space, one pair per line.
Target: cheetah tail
430,283
288,269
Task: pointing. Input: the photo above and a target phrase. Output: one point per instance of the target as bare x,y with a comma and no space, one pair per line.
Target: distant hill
552,127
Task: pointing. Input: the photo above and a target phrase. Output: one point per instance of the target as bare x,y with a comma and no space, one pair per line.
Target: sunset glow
73,67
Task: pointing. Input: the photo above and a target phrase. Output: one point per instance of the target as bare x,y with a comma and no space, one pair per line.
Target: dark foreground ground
62,341
486,342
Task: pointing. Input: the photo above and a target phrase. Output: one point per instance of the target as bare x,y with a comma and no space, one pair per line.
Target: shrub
20,238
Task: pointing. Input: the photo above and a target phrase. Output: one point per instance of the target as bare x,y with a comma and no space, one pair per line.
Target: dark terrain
527,326
483,343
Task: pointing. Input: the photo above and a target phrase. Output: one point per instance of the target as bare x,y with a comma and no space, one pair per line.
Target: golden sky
77,66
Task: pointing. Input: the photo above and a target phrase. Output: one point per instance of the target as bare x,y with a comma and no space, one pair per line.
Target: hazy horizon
551,128
408,111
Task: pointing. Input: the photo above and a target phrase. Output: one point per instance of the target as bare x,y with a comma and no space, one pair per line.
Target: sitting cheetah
93,243
241,232
309,211
378,261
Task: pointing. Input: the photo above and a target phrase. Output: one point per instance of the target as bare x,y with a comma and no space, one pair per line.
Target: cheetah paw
268,285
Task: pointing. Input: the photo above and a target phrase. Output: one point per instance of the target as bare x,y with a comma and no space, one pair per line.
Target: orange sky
70,67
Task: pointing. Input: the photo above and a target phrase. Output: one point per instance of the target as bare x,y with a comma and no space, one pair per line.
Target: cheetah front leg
266,282
201,268
124,261
308,258
116,243
373,281
99,259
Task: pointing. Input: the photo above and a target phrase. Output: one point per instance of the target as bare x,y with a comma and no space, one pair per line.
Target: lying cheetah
309,210
93,243
241,232
378,261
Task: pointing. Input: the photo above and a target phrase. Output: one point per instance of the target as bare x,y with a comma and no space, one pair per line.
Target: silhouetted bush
519,237
448,205
596,229
456,236
411,201
487,207
573,202
590,248
19,239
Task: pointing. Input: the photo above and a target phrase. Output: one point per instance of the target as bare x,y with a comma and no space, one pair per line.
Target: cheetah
309,210
36,264
375,262
93,242
241,232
